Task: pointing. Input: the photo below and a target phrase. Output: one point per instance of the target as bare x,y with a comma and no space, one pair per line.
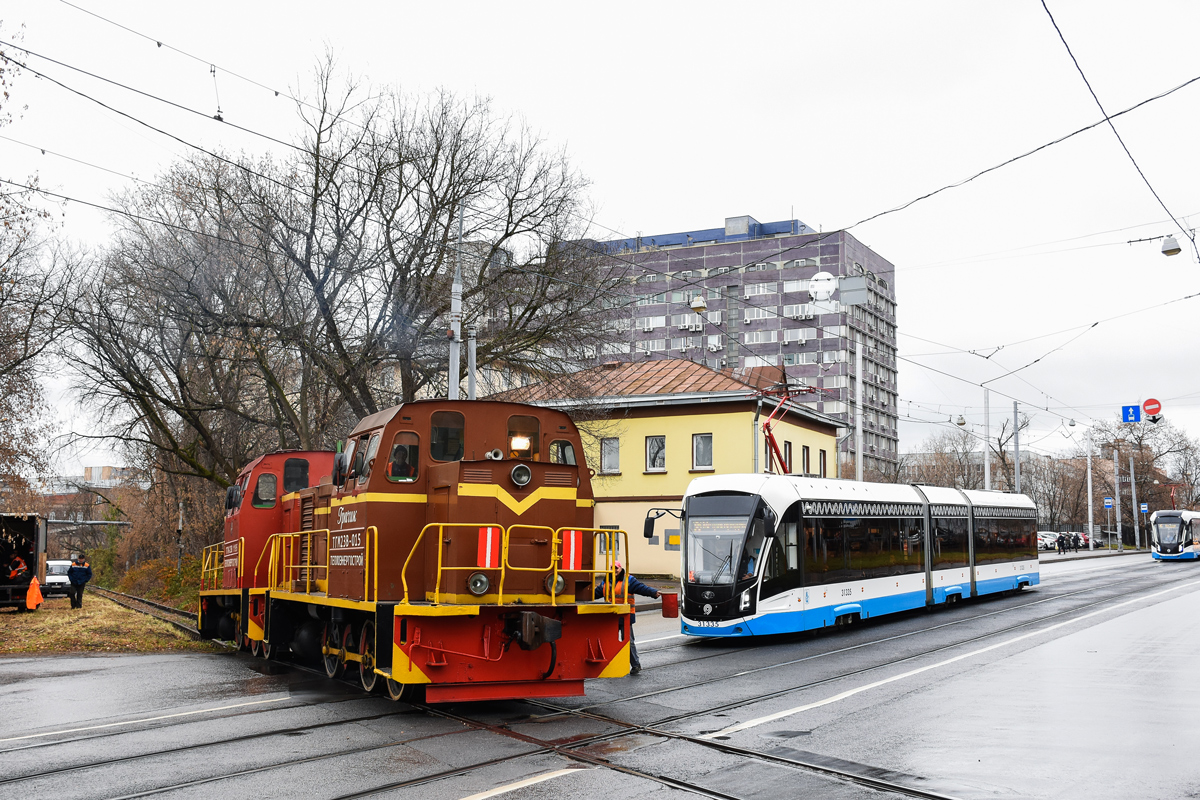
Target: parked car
1047,540
56,577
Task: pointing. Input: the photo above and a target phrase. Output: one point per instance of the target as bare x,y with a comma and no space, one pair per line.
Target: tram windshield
714,548
1167,532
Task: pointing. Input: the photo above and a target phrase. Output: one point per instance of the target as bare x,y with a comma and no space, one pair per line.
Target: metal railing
286,561
212,565
553,569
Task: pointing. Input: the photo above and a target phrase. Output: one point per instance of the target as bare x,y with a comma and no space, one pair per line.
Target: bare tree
281,300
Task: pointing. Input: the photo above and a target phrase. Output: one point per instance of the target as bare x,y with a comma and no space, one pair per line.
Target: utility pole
179,539
1117,497
1091,527
455,331
471,363
1017,447
987,443
858,409
1137,531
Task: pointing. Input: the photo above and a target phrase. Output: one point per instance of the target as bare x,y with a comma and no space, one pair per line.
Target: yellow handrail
367,534
610,558
508,566
284,556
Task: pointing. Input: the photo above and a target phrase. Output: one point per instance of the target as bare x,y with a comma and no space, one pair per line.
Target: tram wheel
366,668
255,648
334,652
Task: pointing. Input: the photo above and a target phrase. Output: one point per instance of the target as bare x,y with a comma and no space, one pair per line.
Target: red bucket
670,601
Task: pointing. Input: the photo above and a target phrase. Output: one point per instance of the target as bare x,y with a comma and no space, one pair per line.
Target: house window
656,454
610,456
787,457
805,460
821,457
702,455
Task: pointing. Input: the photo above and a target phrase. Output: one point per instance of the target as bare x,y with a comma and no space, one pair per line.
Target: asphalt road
1079,688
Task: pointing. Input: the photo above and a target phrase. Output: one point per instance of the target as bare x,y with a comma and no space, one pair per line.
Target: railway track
178,618
577,750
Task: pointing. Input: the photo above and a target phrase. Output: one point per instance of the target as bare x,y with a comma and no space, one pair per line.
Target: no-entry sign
1151,407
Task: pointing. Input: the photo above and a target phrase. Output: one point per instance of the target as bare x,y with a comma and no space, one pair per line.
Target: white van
56,577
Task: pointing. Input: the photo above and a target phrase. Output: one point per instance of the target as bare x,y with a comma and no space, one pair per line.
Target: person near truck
635,587
79,574
18,571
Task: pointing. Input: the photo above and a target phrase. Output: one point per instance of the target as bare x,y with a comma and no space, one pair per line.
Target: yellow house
649,428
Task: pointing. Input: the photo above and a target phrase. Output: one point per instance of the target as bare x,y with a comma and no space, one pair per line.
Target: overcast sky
682,114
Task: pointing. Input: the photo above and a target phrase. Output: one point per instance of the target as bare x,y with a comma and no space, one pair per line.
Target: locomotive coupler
531,630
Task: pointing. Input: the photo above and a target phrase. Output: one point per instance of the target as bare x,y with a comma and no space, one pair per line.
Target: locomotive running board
501,690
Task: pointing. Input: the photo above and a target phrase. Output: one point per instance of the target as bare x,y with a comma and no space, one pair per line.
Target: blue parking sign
1108,502
1131,413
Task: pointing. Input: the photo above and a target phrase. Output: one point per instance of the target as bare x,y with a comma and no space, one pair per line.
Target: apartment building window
656,454
610,456
787,457
702,455
822,461
806,460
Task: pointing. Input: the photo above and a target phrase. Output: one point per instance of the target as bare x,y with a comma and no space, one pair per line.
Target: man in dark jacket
635,587
78,574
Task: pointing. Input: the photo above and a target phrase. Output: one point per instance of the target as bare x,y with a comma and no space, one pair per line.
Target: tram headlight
478,584
522,475
555,584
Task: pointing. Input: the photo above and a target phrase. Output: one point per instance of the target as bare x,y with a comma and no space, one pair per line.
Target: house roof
656,382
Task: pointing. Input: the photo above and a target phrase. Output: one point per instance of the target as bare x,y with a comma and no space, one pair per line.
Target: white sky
685,113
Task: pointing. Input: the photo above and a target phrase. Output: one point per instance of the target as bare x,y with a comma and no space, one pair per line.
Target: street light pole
1137,532
1117,497
987,443
1017,447
1091,527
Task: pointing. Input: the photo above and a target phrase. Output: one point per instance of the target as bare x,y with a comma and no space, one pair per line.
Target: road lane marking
754,723
145,719
521,784
664,638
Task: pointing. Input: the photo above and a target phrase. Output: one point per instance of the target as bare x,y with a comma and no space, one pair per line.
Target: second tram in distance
1175,535
780,553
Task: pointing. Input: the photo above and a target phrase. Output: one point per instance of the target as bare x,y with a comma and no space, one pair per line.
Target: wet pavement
1078,688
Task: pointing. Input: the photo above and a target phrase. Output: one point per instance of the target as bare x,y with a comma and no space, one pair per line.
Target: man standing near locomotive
635,587
79,574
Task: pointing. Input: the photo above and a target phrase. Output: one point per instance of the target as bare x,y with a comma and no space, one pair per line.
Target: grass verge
100,626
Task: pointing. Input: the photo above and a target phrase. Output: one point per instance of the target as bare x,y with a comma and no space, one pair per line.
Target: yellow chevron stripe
516,506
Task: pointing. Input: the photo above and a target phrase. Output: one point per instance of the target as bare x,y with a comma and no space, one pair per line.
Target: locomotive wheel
334,656
268,650
366,669
255,647
401,691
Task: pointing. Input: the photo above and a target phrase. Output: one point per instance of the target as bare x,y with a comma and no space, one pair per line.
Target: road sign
1131,414
1108,502
1151,407
1145,507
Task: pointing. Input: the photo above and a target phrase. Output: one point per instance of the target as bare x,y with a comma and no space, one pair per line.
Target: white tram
1175,535
779,553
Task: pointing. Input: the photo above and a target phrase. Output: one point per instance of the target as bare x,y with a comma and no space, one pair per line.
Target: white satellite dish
822,286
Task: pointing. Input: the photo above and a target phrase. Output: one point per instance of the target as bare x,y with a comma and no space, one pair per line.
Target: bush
159,579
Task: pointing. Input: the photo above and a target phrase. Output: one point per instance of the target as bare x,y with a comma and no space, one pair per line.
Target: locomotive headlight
555,584
521,475
478,584
518,443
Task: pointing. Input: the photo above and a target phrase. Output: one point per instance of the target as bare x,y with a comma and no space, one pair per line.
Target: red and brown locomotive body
451,546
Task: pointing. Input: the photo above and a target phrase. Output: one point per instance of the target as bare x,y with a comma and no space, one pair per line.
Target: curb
1056,559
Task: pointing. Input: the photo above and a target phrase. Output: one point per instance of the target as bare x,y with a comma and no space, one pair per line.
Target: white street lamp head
822,286
961,421
699,304
1170,246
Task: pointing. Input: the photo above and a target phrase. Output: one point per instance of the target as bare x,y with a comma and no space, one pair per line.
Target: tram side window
446,436
402,460
987,541
949,542
265,490
824,552
295,475
879,548
1022,539
562,452
523,435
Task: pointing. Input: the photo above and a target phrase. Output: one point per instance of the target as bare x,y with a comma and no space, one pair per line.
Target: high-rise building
755,279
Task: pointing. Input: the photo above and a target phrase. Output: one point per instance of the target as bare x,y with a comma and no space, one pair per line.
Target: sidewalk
1052,557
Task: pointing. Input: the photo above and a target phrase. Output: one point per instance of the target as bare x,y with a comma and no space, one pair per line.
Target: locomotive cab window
295,475
523,435
402,462
265,490
562,452
368,459
446,436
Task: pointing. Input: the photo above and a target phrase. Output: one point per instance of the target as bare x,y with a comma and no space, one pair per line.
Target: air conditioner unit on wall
713,348
647,330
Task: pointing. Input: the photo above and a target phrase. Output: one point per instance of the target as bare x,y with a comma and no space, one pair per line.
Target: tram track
626,729
175,617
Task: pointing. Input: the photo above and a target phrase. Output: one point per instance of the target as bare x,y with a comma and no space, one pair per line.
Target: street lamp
1170,246
1091,525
